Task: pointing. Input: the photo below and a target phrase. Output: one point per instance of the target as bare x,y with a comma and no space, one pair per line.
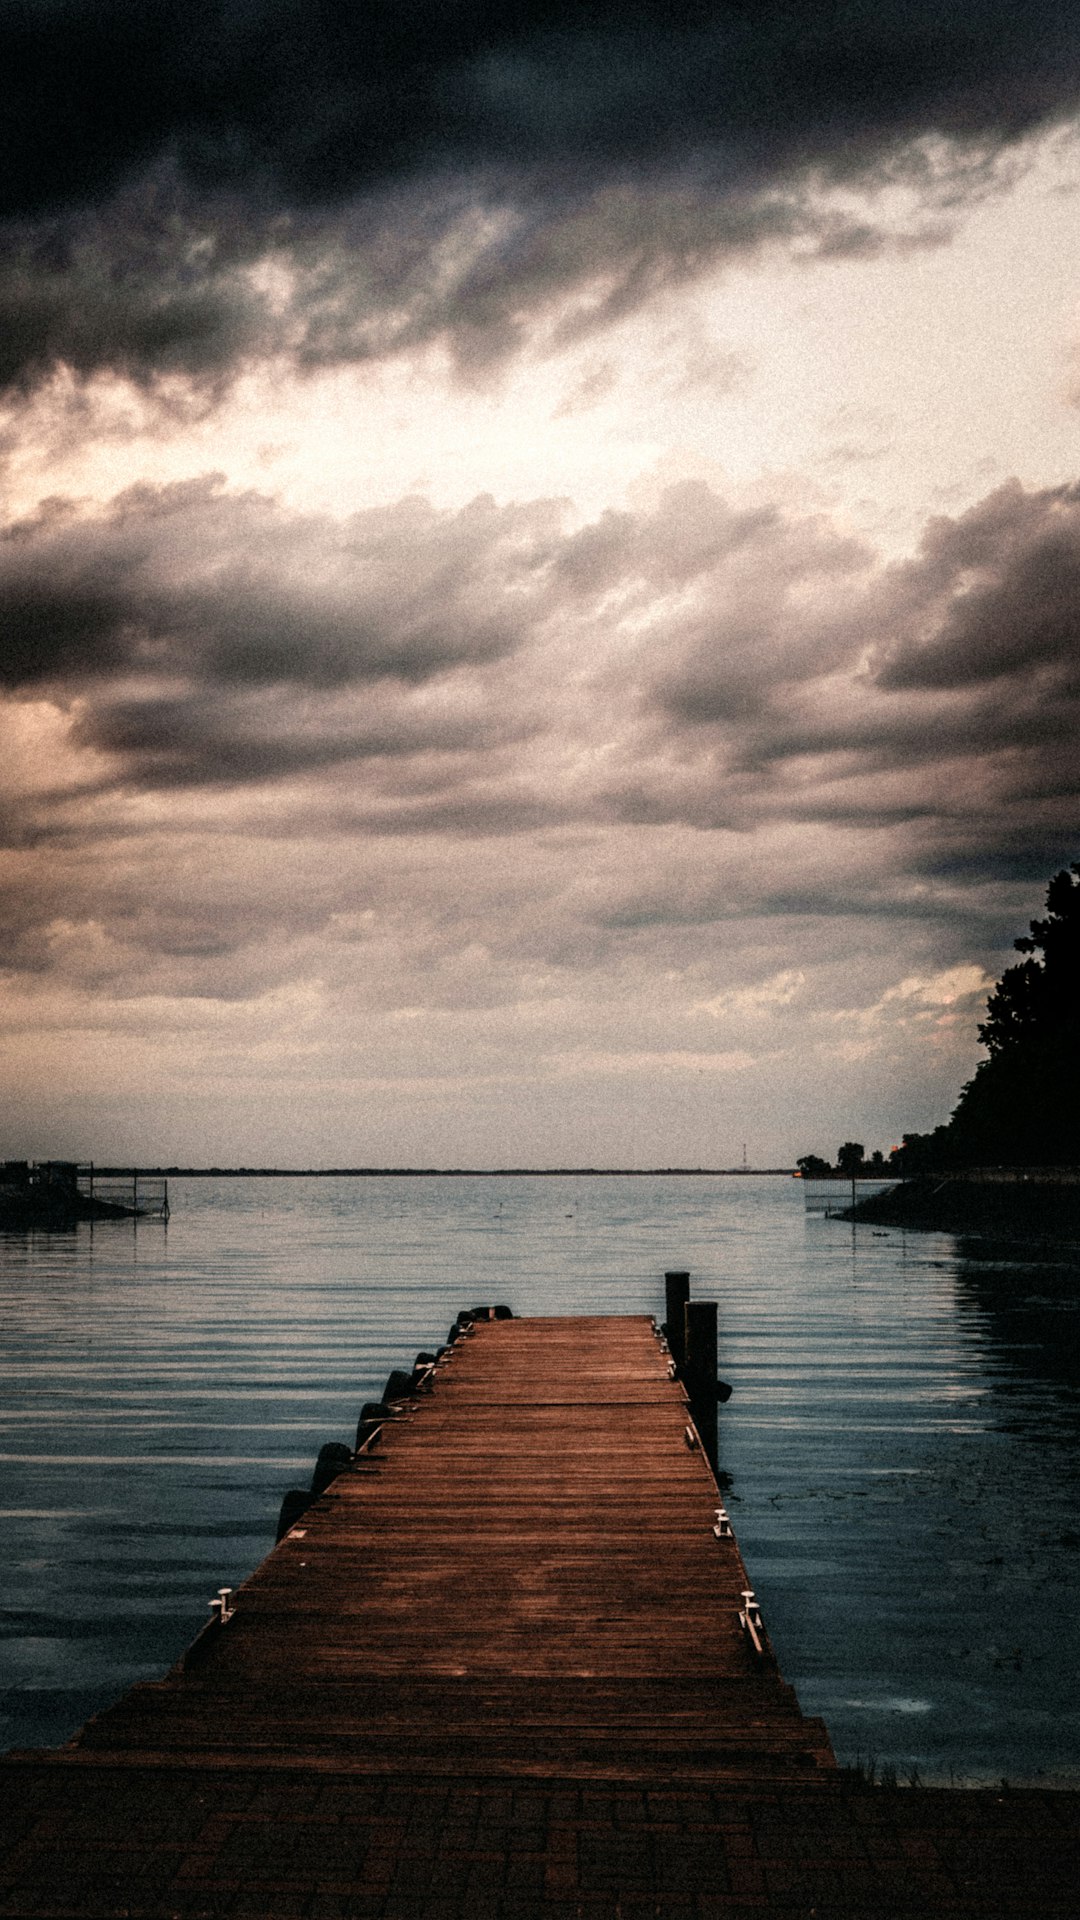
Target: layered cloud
692,669
746,643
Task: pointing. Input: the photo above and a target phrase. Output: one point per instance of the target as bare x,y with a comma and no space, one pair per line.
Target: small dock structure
507,1663
61,1193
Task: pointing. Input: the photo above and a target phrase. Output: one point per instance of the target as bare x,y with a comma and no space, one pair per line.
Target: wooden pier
504,1666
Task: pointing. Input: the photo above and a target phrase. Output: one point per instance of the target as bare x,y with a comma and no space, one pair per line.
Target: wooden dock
501,1667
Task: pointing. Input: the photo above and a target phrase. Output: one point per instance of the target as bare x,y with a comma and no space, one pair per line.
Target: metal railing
835,1195
145,1194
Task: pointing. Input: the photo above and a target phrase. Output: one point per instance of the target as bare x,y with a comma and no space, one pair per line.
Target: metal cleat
751,1622
221,1609
723,1528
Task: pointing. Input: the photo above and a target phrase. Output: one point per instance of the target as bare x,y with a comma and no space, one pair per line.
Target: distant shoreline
428,1173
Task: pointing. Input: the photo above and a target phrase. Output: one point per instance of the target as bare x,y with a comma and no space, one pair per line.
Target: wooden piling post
699,1372
676,1295
700,1345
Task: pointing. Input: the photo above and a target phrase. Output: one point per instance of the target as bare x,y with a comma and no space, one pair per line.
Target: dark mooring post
676,1295
699,1371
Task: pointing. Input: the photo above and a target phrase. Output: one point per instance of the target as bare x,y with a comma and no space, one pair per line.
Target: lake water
903,1436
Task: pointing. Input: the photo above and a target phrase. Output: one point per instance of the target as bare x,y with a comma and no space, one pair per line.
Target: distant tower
745,1168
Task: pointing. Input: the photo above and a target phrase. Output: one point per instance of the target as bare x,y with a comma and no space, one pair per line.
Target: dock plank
536,1517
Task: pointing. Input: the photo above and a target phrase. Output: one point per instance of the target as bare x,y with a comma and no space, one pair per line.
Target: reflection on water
1026,1315
903,1434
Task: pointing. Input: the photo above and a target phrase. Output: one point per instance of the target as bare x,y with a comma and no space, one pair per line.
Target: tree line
1021,1107
851,1160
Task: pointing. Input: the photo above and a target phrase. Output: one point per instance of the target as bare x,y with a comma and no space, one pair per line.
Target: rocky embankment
52,1212
1036,1206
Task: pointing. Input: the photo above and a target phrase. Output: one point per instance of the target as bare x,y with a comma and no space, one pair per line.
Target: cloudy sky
540,570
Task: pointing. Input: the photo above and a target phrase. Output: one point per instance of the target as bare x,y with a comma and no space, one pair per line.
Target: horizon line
284,1173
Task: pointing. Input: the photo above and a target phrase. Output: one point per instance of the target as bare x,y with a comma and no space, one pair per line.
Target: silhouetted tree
1021,1106
1036,996
813,1167
921,1153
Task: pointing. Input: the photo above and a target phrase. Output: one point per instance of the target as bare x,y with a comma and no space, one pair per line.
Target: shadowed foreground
499,1669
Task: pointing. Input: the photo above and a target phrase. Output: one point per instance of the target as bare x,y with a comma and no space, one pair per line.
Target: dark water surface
903,1435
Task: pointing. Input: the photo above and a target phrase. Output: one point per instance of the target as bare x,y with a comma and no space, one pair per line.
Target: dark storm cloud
934,704
201,740
993,595
231,591
145,286
313,103
451,170
202,639
160,283
805,646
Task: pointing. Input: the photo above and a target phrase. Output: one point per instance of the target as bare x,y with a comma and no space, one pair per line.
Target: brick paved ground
117,1843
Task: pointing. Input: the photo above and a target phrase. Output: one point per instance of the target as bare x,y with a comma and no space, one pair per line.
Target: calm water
903,1435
